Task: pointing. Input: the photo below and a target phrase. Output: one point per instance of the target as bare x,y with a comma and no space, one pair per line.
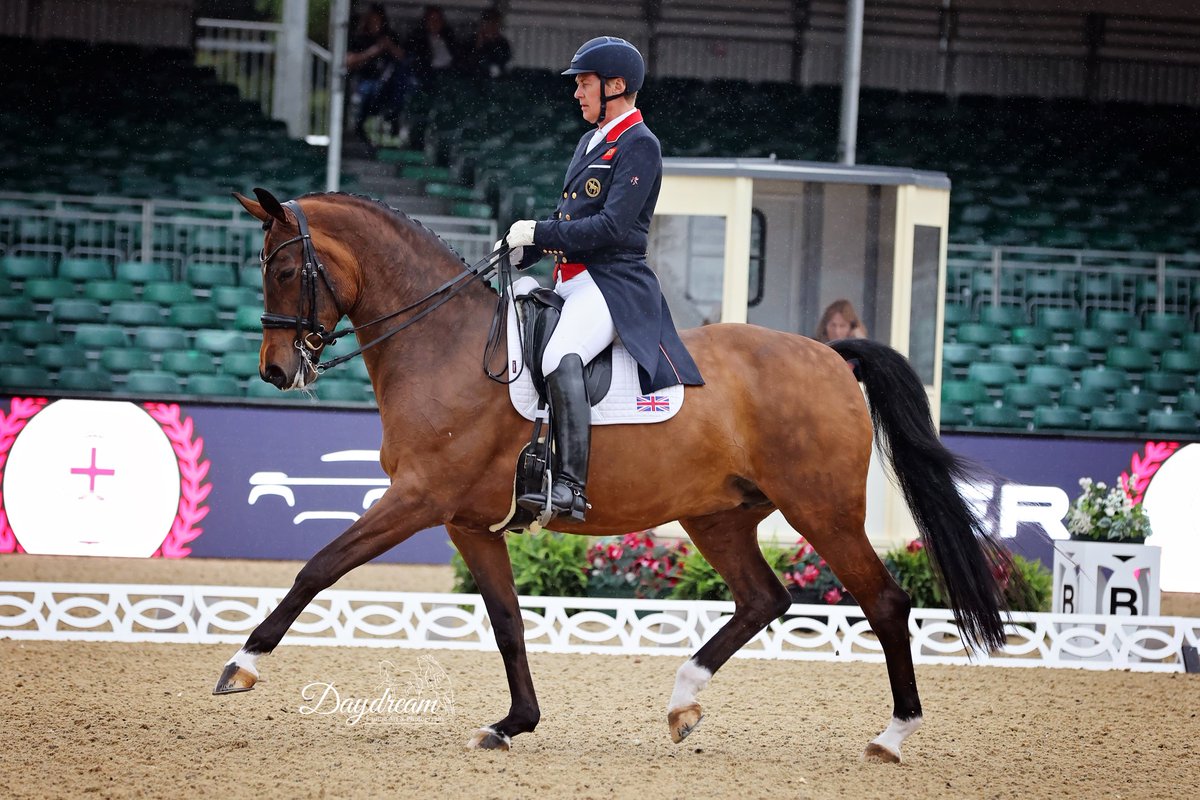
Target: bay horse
780,424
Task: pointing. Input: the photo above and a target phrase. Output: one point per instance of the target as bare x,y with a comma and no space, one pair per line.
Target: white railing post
292,77
339,27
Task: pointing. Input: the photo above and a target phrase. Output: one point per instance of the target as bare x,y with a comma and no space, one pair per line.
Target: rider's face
587,92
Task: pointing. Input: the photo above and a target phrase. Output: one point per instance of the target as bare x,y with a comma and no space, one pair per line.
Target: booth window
706,257
923,320
758,250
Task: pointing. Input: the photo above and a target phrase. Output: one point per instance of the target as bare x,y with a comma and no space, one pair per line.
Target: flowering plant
1102,514
634,565
807,570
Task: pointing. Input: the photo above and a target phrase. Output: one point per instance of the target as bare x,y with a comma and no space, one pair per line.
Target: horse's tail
964,555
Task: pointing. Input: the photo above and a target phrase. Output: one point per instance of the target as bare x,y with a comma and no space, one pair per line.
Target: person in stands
380,67
840,321
489,52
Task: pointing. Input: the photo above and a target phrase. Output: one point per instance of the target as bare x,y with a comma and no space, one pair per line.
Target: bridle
311,335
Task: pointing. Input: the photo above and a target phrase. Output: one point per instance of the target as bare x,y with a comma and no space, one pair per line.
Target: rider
598,237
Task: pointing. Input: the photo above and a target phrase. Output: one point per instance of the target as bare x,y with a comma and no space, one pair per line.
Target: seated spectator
431,46
489,52
381,70
840,321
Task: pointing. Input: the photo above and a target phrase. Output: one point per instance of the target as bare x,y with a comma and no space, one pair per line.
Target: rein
312,337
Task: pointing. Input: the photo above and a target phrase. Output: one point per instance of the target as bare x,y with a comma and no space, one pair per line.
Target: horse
780,424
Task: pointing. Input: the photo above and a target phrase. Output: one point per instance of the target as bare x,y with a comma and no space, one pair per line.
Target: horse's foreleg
387,523
486,555
729,541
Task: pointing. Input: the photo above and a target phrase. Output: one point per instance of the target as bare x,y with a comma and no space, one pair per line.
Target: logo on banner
102,478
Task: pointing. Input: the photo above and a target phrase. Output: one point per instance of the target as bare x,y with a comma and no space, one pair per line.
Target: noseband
311,336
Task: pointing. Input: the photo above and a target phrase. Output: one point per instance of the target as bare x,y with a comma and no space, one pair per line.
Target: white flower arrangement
1108,515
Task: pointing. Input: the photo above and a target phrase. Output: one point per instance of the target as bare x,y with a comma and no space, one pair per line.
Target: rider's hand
515,254
521,233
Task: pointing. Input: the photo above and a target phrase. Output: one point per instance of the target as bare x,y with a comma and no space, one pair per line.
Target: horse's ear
270,204
254,208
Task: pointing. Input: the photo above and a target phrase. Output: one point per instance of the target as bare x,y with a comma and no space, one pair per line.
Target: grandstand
1072,302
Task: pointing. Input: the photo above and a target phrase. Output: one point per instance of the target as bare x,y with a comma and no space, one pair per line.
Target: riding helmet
610,57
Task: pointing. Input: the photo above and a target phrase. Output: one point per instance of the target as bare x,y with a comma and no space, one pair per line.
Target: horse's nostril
274,375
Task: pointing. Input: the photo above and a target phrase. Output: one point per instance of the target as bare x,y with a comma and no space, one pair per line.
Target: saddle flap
541,310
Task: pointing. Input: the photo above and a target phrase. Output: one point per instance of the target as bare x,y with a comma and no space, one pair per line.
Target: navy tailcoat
603,222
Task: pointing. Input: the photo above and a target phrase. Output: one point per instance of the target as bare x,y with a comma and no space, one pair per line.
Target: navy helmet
610,57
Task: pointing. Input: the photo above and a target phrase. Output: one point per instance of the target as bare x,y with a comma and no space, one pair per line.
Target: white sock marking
897,731
246,661
690,679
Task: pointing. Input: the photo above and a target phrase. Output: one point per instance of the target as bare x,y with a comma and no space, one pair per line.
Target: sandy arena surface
138,720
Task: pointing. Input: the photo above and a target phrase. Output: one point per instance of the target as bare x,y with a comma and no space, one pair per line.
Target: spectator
431,46
840,321
379,64
490,52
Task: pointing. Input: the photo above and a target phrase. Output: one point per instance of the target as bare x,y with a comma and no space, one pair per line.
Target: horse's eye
286,275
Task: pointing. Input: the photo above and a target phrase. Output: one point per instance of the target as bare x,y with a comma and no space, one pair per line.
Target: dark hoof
879,754
234,679
488,739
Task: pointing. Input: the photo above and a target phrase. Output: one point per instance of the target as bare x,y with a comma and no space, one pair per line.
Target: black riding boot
572,442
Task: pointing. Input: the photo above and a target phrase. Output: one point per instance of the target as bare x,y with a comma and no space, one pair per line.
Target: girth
540,310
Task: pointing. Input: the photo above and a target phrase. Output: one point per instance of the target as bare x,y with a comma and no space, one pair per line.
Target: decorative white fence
226,614
244,54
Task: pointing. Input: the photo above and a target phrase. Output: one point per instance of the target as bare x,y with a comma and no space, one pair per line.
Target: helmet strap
604,98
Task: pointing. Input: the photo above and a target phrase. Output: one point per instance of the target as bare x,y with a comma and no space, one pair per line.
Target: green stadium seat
357,368
1173,324
84,380
214,385
1019,355
26,267
241,364
249,318
1025,395
12,353
1002,316
953,415
1188,402
85,269
126,359
33,333
264,390
959,354
1083,399
1048,291
17,308
987,415
956,314
223,341
108,291
15,376
161,339
48,289
1052,418
73,311
230,298
1164,382
152,383
1184,362
1129,359
194,315
1095,339
135,313
1067,356
1118,322
168,294
963,393
250,276
1140,402
1151,341
207,275
139,272
1115,419
101,337
189,362
1190,342
1106,380
977,333
1059,319
1158,421
342,391
56,356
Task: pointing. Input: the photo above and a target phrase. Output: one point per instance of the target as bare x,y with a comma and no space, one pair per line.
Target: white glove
521,233
515,254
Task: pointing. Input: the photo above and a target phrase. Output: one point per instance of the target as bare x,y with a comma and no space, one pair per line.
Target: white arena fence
227,614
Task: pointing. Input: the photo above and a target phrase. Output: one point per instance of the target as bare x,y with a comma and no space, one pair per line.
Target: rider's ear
270,204
255,209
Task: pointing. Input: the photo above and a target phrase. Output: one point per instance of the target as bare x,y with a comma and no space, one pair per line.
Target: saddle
540,310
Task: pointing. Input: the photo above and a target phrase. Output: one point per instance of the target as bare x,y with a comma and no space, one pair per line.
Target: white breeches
586,326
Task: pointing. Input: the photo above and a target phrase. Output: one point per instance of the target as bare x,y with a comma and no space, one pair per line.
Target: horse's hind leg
486,555
730,543
835,527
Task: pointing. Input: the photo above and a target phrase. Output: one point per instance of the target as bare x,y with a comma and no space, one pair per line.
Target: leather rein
311,335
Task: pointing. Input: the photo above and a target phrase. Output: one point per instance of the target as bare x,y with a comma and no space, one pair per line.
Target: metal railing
171,232
244,53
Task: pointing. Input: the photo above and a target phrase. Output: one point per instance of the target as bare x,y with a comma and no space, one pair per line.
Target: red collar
624,125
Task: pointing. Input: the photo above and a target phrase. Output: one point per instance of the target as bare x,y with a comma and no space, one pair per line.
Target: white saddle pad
623,405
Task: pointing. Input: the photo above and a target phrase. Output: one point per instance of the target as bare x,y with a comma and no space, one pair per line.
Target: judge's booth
773,243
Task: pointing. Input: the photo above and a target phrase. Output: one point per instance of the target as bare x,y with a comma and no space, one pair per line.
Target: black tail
964,555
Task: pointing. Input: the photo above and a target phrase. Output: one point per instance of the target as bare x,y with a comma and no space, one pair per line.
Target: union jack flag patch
653,403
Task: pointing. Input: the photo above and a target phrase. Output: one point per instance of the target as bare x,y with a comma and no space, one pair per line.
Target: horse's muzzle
274,375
